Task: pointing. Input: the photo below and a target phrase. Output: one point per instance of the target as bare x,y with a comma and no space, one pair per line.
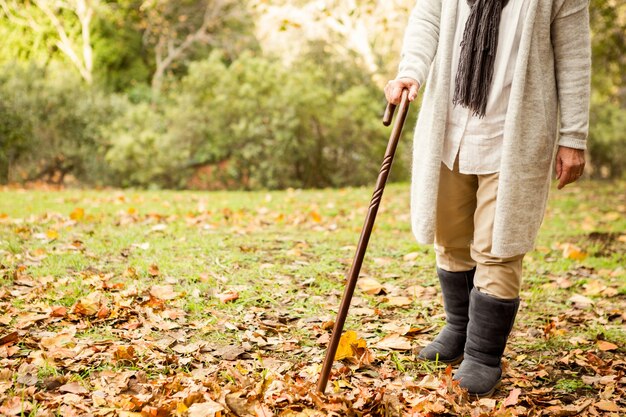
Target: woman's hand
570,165
393,89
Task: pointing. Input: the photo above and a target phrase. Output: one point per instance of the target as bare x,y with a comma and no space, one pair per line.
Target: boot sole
452,362
490,392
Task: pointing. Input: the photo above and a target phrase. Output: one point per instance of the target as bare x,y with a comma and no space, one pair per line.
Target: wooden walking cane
353,275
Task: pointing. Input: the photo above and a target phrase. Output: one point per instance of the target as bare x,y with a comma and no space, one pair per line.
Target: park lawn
162,303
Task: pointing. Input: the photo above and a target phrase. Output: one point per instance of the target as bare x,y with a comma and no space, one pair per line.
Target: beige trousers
466,206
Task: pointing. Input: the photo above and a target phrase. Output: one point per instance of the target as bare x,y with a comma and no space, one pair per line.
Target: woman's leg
455,267
494,301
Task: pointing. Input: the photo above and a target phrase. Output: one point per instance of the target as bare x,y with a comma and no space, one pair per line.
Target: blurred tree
75,43
607,141
371,29
53,125
172,27
121,61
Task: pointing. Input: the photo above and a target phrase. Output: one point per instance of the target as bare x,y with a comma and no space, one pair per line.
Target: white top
476,141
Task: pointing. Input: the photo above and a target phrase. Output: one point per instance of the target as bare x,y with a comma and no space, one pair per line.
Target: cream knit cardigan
549,104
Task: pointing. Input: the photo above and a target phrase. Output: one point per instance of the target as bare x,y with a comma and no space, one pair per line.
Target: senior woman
507,95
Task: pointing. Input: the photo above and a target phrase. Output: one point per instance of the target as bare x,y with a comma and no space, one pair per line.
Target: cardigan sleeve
420,40
571,42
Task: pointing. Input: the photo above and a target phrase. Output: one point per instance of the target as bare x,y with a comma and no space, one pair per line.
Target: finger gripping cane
353,274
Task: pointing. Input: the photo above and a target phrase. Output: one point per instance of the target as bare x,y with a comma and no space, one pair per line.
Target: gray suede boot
448,345
490,323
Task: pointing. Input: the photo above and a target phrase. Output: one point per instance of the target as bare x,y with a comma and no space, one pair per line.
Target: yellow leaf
315,216
573,252
52,234
181,408
77,214
347,345
131,211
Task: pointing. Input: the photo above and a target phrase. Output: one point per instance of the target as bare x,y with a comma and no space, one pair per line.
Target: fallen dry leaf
77,214
606,346
605,405
512,398
73,388
399,301
580,301
228,296
206,409
348,343
9,338
163,292
394,342
153,270
370,286
89,305
573,252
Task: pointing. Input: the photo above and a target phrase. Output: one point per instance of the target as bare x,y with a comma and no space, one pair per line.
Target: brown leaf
513,397
163,292
125,353
74,388
58,311
238,404
411,256
188,349
103,312
580,301
370,286
57,341
153,270
131,272
399,301
15,406
605,346
328,324
230,353
228,296
206,409
605,405
429,381
394,342
9,338
89,305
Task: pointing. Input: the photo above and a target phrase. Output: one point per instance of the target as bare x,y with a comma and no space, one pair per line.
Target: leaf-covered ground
179,303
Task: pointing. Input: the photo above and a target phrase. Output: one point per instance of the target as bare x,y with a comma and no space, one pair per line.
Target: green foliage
607,144
120,59
255,123
139,149
50,126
